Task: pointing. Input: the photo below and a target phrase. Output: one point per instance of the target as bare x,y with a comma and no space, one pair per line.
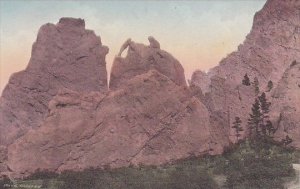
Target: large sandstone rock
286,105
151,120
64,56
268,50
140,58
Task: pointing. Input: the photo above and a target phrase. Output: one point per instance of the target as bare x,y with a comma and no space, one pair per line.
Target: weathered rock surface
65,55
268,50
140,58
286,104
151,120
271,46
200,79
149,117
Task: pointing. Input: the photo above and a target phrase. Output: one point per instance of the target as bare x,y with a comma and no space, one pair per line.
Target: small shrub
246,80
42,174
270,86
293,63
4,182
186,174
259,166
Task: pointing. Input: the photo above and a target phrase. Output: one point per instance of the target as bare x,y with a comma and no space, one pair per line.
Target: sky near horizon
198,33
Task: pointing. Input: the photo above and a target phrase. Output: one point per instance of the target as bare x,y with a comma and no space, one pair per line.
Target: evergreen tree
246,80
264,105
266,125
237,127
256,85
255,119
270,86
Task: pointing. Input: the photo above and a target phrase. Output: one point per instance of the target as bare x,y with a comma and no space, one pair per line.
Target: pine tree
246,80
255,119
256,85
264,105
237,127
270,86
266,125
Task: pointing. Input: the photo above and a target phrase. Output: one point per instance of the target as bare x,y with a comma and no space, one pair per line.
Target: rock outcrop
268,50
150,115
271,46
151,120
200,79
286,104
64,56
141,58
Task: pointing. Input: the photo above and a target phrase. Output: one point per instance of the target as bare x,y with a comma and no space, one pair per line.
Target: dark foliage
5,182
246,80
181,176
255,119
256,165
293,63
270,86
42,174
237,127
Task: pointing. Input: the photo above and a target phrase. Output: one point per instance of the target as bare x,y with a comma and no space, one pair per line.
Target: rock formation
141,58
271,46
286,104
151,120
268,50
200,79
65,55
149,116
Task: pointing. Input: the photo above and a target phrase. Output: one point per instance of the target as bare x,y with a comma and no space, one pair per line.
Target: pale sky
198,33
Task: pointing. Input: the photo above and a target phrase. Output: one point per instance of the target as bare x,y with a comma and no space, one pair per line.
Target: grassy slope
189,174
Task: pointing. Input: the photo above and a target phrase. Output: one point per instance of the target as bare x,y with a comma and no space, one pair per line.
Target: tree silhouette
270,86
266,125
259,118
237,127
246,80
255,118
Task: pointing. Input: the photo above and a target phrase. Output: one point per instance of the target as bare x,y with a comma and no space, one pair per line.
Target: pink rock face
271,46
286,105
268,50
200,79
151,120
140,59
64,56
